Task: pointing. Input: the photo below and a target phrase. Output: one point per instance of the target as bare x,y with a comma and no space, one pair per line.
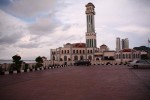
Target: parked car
82,62
139,63
128,63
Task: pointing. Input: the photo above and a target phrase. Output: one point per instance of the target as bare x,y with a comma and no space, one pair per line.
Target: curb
32,70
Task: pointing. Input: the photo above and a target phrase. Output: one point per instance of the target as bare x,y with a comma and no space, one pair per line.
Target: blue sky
31,28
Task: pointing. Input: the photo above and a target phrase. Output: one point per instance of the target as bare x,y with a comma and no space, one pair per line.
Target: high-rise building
122,44
125,43
118,44
90,34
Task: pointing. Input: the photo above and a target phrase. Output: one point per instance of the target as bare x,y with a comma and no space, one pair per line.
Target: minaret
90,34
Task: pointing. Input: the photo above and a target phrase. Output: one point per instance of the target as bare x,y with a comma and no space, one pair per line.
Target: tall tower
125,43
90,34
118,44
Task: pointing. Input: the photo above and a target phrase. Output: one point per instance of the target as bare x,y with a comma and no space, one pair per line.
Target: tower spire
90,34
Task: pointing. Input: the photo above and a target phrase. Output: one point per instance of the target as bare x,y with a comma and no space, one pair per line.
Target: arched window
80,51
91,51
97,59
83,51
69,59
123,56
68,51
62,52
73,51
61,59
81,58
130,56
90,57
77,51
75,58
127,56
65,58
65,51
133,55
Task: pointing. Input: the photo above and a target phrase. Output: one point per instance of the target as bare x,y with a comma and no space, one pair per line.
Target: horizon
33,31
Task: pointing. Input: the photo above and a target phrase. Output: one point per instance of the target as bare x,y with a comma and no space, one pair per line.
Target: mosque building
72,52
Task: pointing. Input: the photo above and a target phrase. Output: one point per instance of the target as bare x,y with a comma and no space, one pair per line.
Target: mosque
72,52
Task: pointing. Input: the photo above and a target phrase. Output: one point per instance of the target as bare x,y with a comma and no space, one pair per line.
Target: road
78,83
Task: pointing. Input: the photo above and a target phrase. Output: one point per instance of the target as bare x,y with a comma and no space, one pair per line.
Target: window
83,51
65,58
90,57
123,56
129,56
117,56
81,58
80,51
69,59
91,51
77,51
97,58
62,52
133,55
61,59
73,51
75,58
68,51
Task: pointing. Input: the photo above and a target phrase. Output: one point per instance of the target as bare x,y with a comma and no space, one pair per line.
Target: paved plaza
78,83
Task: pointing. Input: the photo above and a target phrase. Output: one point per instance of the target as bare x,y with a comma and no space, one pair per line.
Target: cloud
30,8
44,25
11,29
134,29
37,26
28,45
4,3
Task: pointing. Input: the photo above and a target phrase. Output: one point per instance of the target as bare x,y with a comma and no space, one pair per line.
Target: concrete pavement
78,83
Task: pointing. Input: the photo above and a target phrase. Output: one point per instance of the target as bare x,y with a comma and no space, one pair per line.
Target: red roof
79,45
128,50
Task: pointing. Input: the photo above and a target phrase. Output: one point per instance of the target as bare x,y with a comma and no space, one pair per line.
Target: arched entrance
90,57
81,57
75,58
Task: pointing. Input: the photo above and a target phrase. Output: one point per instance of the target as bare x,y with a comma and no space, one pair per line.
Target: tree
39,61
17,62
16,58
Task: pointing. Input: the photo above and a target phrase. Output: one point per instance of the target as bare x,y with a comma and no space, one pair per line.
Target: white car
139,63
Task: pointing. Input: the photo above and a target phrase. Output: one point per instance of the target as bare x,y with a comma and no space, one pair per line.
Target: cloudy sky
31,28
